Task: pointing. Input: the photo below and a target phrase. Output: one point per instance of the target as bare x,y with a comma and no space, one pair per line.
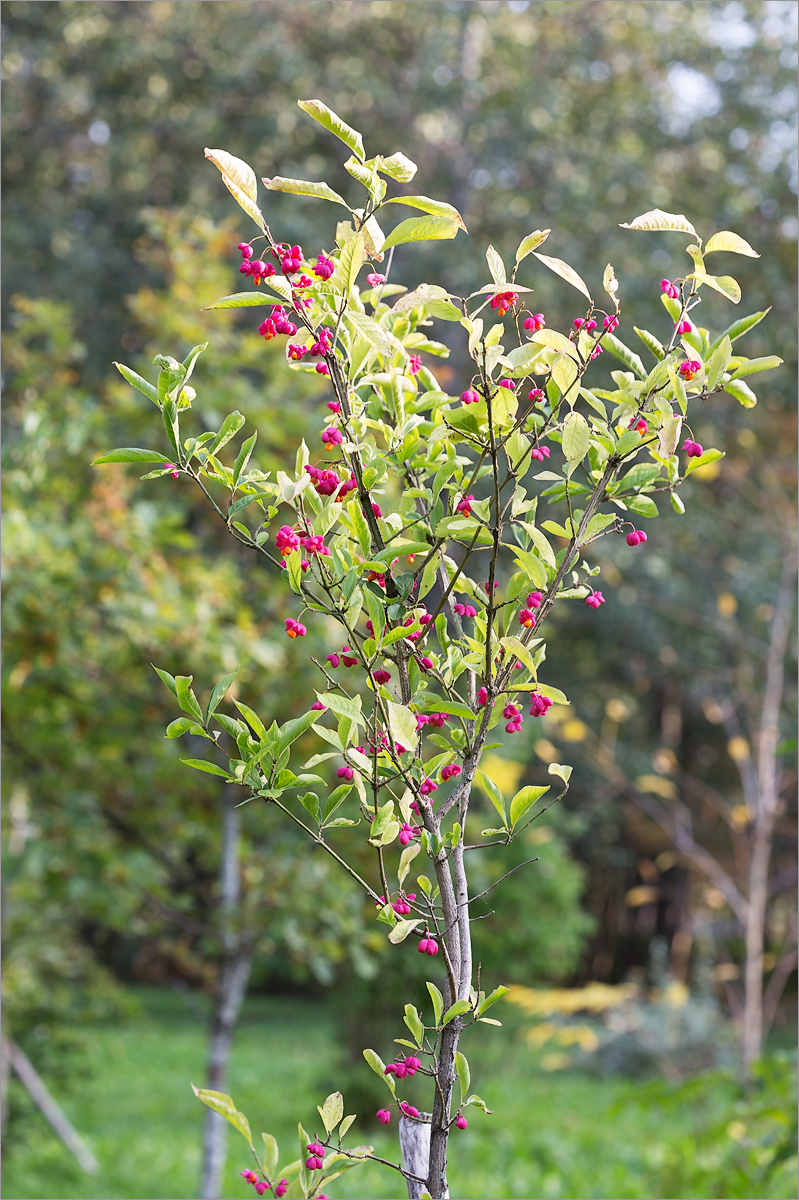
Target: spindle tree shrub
435,533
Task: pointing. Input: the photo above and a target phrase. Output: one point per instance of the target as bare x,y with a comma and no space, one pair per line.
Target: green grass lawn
560,1134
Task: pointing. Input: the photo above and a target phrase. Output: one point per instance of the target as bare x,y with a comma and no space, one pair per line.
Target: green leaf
414,1023
456,1010
624,355
709,456
360,528
642,505
435,208
303,187
310,803
639,475
556,341
402,723
186,697
240,181
726,240
423,229
325,116
656,220
438,1002
379,1067
147,389
494,794
651,342
475,1101
497,267
241,300
755,365
252,717
397,165
129,454
527,245
561,771
242,458
742,393
524,800
740,327
406,858
228,429
222,1104
218,692
368,327
610,283
565,272
497,994
540,542
342,706
464,1075
403,928
271,1153
449,706
178,727
350,260
331,1111
718,363
345,1125
167,679
575,437
200,764
518,648
725,285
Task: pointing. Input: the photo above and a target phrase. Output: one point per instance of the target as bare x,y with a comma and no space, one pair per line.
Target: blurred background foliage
117,232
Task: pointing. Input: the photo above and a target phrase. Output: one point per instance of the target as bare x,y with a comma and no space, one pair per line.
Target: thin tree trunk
234,976
767,796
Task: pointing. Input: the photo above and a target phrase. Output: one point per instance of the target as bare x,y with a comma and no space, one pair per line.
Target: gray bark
234,976
35,1086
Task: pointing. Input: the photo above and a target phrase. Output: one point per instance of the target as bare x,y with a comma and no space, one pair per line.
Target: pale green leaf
656,220
303,187
435,208
565,272
726,240
423,229
240,181
575,437
524,800
527,245
222,1104
325,116
725,285
755,365
129,454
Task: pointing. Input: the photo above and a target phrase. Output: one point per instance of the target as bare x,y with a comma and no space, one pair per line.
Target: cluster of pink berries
539,705
277,323
610,323
504,301
465,610
507,383
262,1186
316,1152
635,537
345,657
690,368
482,697
256,268
437,720
295,629
588,326
406,834
513,716
428,945
670,289
470,396
326,482
526,617
464,506
692,449
539,453
639,424
331,436
595,599
324,267
403,1067
536,395
451,771
414,364
375,279
684,327
534,323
